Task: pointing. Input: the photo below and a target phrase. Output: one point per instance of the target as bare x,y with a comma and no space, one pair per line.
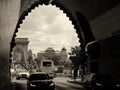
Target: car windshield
38,77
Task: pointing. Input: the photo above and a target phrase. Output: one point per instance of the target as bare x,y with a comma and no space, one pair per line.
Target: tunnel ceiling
94,8
90,8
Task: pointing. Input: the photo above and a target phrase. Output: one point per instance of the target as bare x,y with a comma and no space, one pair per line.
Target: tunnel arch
85,27
30,8
82,34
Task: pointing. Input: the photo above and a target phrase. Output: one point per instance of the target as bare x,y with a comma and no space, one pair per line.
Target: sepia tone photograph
59,44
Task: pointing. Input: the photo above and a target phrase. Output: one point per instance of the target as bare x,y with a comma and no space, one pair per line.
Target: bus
48,67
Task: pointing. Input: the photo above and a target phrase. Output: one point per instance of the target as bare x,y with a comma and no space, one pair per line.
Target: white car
22,75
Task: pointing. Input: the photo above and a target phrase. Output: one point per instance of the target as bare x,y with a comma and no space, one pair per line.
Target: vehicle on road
48,67
102,82
40,80
24,75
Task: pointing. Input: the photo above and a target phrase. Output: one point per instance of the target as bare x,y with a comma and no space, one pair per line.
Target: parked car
102,82
24,75
40,80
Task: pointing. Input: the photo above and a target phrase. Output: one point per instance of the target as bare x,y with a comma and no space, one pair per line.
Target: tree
75,59
75,55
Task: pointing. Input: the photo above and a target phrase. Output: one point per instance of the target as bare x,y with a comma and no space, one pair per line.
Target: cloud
49,14
48,28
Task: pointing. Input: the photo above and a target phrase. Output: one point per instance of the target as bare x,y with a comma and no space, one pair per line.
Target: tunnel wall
9,13
106,29
109,61
104,56
106,24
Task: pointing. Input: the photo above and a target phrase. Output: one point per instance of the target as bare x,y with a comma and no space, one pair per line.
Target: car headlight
32,85
52,84
118,85
98,84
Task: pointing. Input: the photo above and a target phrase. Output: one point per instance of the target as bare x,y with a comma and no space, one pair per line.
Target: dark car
102,82
40,80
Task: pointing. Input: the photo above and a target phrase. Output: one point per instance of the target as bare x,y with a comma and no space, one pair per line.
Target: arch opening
82,38
24,43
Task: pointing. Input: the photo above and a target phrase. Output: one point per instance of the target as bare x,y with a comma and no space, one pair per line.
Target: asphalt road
60,84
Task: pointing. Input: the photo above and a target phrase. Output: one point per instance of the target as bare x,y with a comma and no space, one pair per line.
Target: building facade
50,53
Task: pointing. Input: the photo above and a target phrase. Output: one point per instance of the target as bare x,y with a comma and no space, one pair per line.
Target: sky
48,26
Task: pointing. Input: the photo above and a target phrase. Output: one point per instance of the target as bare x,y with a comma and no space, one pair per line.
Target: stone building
50,53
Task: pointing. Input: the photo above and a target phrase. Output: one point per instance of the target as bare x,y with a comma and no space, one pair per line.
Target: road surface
60,84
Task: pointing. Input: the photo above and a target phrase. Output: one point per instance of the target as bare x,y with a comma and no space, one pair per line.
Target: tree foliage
75,56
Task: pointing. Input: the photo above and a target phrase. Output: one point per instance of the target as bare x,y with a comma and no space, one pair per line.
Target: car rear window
38,77
47,63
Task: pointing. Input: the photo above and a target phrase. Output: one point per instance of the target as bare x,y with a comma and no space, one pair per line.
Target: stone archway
26,13
84,27
58,5
79,21
84,34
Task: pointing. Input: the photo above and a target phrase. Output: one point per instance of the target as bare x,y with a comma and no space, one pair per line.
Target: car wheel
94,88
29,88
89,88
53,88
